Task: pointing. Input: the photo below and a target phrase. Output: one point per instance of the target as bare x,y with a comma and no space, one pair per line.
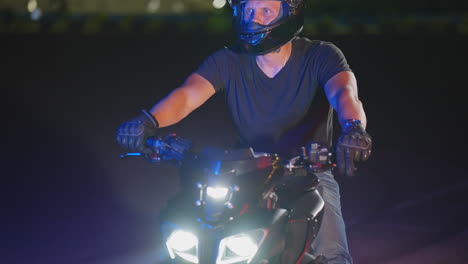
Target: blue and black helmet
260,39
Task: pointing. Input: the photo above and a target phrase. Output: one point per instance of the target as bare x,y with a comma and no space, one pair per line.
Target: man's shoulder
308,44
312,49
226,52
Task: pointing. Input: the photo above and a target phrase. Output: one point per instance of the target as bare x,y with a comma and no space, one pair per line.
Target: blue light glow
217,167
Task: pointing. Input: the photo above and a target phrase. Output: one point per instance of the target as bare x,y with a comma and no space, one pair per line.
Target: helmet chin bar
272,37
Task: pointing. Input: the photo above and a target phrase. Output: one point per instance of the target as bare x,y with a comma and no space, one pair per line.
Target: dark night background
67,197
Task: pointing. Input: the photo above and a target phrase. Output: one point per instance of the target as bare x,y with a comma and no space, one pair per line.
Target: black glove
354,145
132,135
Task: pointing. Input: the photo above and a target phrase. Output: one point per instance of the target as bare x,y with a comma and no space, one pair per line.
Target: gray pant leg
331,239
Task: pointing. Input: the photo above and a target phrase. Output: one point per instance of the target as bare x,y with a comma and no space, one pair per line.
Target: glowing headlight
241,247
184,244
217,193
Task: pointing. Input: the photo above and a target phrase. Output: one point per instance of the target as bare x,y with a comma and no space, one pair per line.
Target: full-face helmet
260,34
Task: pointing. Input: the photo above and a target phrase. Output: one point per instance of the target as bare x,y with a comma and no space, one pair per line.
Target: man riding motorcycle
281,90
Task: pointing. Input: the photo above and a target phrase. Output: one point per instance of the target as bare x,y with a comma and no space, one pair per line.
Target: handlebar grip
154,144
169,148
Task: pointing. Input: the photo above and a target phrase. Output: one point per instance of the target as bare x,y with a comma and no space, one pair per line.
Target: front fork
302,227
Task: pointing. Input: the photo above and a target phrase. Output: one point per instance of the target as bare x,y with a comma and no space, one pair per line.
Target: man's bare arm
195,91
342,93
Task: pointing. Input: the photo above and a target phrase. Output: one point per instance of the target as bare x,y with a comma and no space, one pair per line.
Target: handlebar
170,147
174,148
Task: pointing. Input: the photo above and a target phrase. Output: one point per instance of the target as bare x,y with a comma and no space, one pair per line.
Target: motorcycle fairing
272,221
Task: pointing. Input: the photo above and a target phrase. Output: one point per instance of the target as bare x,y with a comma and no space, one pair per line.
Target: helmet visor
261,12
291,3
258,16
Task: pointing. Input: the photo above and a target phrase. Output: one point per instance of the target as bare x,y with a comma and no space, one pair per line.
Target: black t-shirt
282,113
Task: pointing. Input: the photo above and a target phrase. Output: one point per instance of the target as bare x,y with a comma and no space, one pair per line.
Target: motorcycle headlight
240,247
183,244
217,193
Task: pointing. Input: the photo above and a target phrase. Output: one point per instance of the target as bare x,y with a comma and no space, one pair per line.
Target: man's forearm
171,109
342,93
182,101
350,108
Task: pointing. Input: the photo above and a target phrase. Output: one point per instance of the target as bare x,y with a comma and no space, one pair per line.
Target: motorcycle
234,205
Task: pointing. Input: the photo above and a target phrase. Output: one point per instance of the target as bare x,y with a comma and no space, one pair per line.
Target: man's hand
132,135
354,145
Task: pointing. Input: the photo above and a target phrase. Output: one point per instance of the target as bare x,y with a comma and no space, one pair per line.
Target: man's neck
272,62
